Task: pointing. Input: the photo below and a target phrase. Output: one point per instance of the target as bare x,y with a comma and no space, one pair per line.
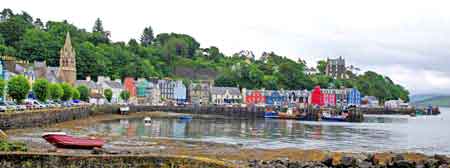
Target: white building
115,86
225,95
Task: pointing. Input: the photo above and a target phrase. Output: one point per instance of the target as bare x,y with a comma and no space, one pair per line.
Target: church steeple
67,62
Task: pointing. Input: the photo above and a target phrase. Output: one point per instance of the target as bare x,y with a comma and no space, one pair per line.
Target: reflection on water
398,133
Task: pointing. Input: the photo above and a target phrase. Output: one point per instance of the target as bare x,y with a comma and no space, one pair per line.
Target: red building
317,96
254,97
329,99
130,86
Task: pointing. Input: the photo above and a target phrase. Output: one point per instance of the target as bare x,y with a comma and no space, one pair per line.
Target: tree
55,91
38,24
13,29
108,94
147,36
75,94
125,95
67,91
2,88
84,92
321,66
98,26
99,35
41,89
18,88
6,14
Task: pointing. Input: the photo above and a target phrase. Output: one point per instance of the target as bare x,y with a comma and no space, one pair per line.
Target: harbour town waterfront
71,97
229,139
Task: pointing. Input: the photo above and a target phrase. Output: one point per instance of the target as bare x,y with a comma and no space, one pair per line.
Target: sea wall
33,160
233,112
38,118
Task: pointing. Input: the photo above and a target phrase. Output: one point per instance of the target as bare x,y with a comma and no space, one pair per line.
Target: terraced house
225,95
199,92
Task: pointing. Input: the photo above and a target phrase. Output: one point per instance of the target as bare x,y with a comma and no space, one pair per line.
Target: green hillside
172,55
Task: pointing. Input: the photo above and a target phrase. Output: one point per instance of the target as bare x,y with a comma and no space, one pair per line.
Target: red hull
66,141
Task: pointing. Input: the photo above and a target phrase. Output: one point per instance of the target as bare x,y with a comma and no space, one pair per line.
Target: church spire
68,42
67,62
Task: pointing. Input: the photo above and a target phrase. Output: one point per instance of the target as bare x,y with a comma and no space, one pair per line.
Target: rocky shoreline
388,160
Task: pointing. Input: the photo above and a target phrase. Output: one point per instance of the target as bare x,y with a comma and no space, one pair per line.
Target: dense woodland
151,56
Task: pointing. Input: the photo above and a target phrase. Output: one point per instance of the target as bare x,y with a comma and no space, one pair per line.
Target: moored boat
333,118
62,140
271,114
185,117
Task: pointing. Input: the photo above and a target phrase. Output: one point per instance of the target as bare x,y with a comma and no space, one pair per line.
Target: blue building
275,97
353,97
179,92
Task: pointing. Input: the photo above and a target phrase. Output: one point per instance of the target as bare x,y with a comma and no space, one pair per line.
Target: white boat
147,121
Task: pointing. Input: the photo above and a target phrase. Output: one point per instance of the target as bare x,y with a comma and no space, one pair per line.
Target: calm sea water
427,134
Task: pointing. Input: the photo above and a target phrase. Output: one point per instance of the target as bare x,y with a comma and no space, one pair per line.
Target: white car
3,107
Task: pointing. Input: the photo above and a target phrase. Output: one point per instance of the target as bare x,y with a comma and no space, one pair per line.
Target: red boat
62,140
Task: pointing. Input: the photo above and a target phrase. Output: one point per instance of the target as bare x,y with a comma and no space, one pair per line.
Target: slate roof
222,90
89,84
114,84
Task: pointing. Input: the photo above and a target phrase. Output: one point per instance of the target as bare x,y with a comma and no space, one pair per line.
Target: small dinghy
147,121
62,140
185,117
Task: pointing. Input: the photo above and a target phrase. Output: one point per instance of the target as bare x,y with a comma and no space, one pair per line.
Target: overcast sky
408,41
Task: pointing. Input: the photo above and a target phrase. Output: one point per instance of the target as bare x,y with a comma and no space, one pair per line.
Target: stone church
67,71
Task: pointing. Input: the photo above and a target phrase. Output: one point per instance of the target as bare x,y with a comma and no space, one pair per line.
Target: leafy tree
99,35
2,88
67,91
147,36
55,91
18,88
125,95
321,66
41,89
38,24
75,94
84,92
6,14
12,29
108,94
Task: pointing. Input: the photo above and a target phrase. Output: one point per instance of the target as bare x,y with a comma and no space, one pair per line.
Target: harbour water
425,134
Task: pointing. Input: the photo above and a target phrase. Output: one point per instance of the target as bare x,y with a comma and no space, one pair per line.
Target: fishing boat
271,114
147,121
62,140
333,118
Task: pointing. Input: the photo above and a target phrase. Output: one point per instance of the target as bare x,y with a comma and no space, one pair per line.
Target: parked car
19,107
10,106
34,104
3,107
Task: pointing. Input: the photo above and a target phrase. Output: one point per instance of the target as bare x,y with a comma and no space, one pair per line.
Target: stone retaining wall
32,160
234,112
41,117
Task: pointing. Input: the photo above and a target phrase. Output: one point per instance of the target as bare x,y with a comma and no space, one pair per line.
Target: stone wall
233,112
45,117
32,160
